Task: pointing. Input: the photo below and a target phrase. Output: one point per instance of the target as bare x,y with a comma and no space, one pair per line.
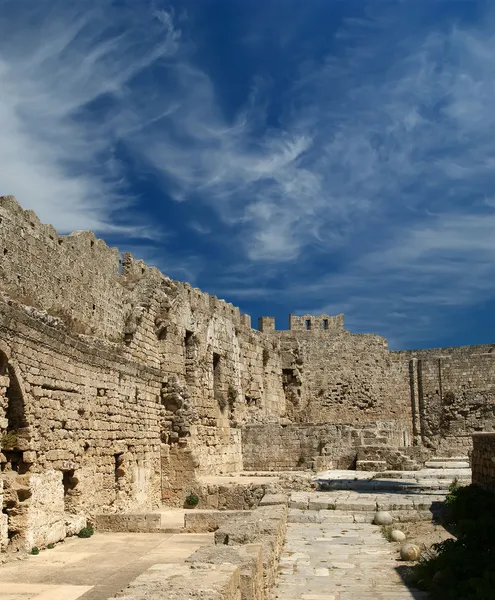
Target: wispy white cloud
379,162
57,59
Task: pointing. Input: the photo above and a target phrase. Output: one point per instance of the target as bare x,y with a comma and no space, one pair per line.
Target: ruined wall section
75,284
213,362
80,432
343,378
453,394
75,277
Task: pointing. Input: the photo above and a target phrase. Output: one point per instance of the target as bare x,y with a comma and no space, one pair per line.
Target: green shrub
192,500
35,550
86,532
462,568
51,546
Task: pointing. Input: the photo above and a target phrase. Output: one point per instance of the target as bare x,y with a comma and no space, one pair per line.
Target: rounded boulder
383,517
410,552
397,536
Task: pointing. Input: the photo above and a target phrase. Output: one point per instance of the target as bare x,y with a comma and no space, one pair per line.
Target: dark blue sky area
288,156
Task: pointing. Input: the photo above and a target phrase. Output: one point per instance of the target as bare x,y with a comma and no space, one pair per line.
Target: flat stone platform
95,568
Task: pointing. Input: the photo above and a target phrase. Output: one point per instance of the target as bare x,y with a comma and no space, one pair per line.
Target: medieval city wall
334,376
133,385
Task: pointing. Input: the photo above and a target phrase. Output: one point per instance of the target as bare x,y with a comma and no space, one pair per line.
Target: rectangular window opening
308,323
324,324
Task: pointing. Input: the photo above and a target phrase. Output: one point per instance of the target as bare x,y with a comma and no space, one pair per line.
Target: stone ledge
176,582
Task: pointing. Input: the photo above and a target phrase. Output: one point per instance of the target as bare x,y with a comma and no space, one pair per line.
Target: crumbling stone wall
333,376
80,432
119,386
452,393
297,446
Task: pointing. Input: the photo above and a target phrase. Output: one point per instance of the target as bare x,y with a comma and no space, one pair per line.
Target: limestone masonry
120,388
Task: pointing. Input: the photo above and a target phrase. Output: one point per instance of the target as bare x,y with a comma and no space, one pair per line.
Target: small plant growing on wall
9,440
35,550
86,532
192,500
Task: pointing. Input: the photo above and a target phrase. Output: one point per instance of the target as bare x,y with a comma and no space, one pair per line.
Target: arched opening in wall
16,420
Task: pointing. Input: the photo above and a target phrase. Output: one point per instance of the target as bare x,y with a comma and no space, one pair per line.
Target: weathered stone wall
75,277
333,376
483,460
80,430
302,446
118,386
452,392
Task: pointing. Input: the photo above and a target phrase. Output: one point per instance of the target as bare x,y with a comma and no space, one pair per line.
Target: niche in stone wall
70,482
119,470
190,355
291,385
218,391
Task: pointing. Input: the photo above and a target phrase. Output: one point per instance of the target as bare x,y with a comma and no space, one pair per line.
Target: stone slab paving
340,561
95,568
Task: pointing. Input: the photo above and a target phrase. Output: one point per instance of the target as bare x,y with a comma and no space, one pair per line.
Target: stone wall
302,446
333,376
80,430
483,460
119,387
452,393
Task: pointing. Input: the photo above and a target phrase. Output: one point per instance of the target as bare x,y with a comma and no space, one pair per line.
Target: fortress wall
74,276
344,378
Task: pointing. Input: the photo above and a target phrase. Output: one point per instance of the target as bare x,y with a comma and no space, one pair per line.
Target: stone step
371,503
443,464
407,486
371,465
439,474
451,458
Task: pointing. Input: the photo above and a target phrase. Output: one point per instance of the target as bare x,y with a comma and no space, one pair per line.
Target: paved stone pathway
95,568
340,561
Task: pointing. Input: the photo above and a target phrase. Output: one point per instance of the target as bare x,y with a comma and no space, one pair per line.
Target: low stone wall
129,523
242,565
273,447
248,559
177,582
265,526
483,460
235,496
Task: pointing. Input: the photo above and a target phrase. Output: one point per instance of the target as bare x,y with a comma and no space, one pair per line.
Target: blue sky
288,156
